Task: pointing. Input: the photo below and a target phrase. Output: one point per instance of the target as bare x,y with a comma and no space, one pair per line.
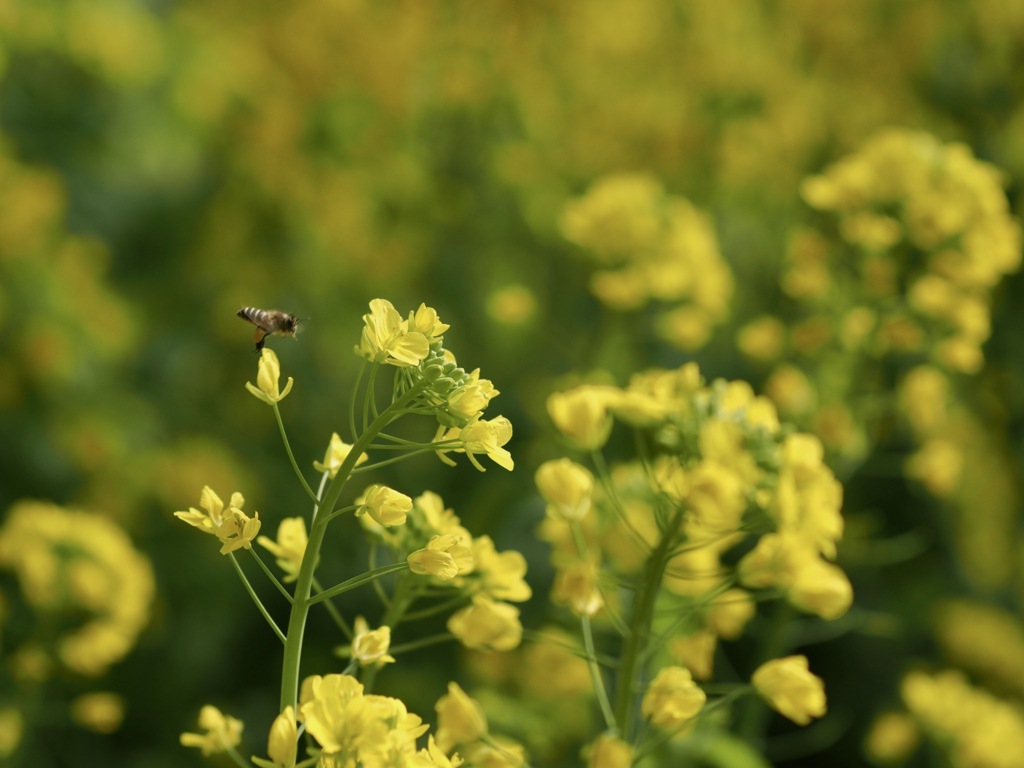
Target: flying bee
269,322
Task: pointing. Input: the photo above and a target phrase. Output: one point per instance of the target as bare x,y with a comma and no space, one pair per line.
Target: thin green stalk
423,642
255,598
358,581
301,604
270,575
291,456
752,718
334,612
630,664
597,679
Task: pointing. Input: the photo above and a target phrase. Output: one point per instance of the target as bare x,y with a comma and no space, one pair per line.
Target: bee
269,322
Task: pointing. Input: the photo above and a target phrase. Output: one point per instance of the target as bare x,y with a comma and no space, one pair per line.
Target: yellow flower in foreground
222,732
235,529
289,547
337,452
609,751
267,387
283,742
385,505
432,755
672,698
460,719
789,686
487,625
567,487
445,557
387,339
479,436
370,647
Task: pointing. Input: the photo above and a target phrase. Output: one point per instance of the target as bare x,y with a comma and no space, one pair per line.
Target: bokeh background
164,163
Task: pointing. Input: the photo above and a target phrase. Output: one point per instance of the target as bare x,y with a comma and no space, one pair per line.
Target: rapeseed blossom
791,688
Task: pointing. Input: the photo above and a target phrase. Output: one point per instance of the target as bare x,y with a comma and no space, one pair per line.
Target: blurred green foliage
164,163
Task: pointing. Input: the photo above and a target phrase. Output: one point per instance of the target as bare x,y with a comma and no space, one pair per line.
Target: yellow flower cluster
985,640
457,397
81,565
977,729
650,246
931,234
434,542
233,527
725,464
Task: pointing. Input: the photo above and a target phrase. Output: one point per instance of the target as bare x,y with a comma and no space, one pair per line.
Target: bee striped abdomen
271,322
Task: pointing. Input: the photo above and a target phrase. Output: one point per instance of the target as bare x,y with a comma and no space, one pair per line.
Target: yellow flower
762,338
282,743
460,719
496,752
289,547
789,686
101,711
567,487
487,625
470,398
502,574
577,586
730,613
222,732
387,339
892,738
696,652
672,698
268,377
12,726
235,529
426,321
581,414
370,647
716,497
433,757
609,751
479,436
385,505
337,452
444,557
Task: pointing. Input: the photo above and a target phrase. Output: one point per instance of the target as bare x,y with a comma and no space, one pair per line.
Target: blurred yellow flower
581,414
501,575
789,686
268,377
370,647
608,751
221,732
567,487
762,338
337,452
12,727
892,738
577,585
289,547
100,711
460,719
672,698
71,563
487,625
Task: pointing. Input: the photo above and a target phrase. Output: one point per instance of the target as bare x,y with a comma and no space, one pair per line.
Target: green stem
413,645
291,456
255,598
630,665
597,679
358,581
270,575
335,613
301,604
